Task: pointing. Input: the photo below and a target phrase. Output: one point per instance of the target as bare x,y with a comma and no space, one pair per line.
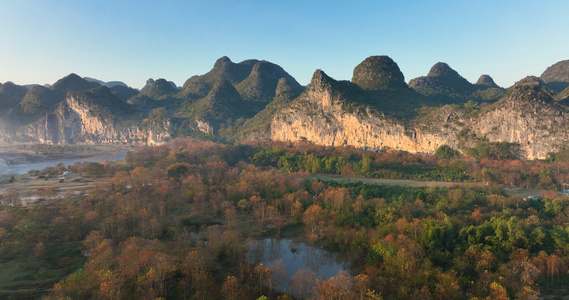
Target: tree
278,273
338,287
95,169
177,170
445,151
302,283
313,216
275,218
230,288
497,292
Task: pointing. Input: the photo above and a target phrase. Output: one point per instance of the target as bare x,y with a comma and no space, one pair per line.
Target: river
23,168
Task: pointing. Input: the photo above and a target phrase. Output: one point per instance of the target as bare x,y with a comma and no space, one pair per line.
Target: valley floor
421,183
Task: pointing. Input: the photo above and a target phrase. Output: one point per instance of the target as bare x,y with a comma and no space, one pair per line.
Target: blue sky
131,41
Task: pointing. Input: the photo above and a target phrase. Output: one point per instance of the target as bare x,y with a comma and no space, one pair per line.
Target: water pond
296,256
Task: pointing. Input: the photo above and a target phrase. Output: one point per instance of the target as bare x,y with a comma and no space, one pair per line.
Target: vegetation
173,220
445,151
446,85
493,150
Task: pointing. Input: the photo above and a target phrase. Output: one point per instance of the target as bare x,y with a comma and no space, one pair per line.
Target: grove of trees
173,221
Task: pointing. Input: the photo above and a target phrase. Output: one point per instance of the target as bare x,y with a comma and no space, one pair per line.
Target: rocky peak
223,68
221,62
101,97
557,76
529,90
73,82
320,80
262,82
487,81
379,73
148,84
444,84
442,69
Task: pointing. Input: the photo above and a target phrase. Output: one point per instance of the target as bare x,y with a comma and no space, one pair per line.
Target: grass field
32,278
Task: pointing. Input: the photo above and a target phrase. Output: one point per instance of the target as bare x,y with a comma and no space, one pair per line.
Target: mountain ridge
259,99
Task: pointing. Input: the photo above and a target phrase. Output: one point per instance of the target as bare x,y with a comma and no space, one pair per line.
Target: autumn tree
313,217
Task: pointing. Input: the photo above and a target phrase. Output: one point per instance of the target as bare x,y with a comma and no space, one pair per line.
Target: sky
42,41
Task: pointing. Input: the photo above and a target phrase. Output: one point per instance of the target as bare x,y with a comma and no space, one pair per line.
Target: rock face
319,115
527,116
258,99
378,73
557,76
91,117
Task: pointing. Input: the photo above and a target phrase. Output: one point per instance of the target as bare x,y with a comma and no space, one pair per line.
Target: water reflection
296,256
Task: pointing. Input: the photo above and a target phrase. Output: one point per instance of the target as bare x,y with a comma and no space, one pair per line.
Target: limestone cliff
78,121
320,115
527,116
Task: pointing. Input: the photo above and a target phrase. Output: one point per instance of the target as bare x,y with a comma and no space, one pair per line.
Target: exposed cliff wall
319,115
527,116
77,121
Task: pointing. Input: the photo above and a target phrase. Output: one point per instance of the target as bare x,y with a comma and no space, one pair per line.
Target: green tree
445,151
95,169
177,170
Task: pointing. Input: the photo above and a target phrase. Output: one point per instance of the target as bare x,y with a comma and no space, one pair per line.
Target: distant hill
39,100
557,76
446,85
124,92
72,82
159,89
10,95
151,81
108,84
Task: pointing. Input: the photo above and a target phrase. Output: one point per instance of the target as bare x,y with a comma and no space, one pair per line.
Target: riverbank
14,159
